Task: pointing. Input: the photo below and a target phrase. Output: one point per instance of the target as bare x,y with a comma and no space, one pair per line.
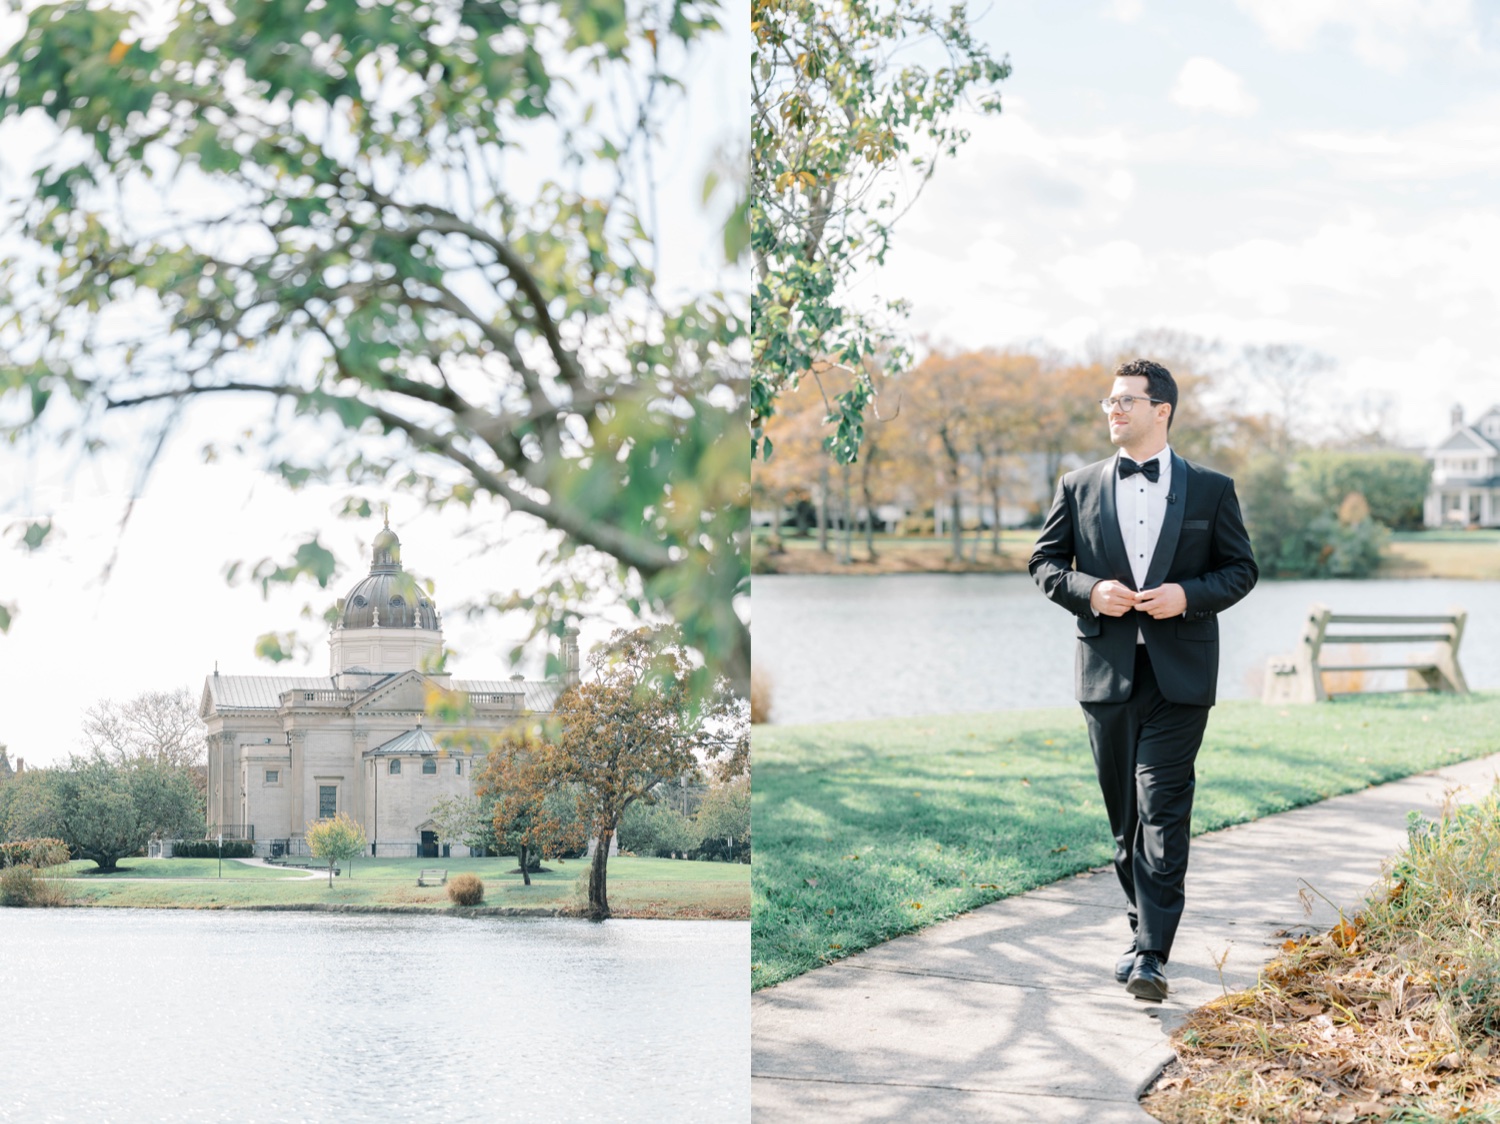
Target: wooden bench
432,878
303,864
1298,678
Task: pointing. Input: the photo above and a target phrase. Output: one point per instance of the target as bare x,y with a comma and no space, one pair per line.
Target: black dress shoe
1147,981
1124,964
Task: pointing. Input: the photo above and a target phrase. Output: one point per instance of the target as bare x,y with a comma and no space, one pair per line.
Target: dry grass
1393,1015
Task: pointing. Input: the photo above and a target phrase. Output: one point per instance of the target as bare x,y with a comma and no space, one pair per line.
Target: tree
725,815
325,213
656,829
1284,373
338,839
1393,484
156,726
634,725
466,820
107,811
526,816
836,122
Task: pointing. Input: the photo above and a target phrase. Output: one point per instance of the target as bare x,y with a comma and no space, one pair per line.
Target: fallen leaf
813,882
1026,782
1059,850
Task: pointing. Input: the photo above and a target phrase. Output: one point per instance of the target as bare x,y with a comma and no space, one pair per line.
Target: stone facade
1465,488
285,751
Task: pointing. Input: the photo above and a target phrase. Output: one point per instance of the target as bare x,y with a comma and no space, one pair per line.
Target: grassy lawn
1443,554
866,830
637,887
157,869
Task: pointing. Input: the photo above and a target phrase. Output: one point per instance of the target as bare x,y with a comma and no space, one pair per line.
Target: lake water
849,647
125,1015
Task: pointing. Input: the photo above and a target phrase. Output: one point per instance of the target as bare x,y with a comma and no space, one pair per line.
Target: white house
284,751
1465,488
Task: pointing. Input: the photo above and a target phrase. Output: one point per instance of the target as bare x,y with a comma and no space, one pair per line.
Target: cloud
1382,31
1464,142
1204,84
1441,270
1125,11
1090,275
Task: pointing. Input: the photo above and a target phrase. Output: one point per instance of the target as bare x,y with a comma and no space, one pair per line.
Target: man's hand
1111,598
1162,602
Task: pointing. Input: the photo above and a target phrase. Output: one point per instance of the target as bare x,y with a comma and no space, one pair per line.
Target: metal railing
230,831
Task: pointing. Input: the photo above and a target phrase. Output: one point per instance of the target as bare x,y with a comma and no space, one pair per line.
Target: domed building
285,751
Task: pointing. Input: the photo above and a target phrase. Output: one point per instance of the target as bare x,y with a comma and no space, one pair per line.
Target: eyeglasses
1127,402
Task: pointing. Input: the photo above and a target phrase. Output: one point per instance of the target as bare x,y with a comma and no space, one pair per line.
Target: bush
33,852
209,849
1394,484
23,885
465,889
760,697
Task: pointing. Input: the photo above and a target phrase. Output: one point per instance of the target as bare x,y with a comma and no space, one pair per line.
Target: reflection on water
840,648
123,1015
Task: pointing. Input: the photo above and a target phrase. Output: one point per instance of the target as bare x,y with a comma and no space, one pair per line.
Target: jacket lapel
1114,545
1171,524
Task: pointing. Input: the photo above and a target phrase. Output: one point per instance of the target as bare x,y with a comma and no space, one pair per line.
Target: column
297,740
357,808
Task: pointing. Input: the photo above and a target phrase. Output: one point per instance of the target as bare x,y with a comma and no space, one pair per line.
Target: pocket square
1195,524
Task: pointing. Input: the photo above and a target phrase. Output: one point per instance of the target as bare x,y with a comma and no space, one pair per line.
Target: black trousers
1144,750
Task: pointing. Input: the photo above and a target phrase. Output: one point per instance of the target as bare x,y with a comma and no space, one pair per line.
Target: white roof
263,692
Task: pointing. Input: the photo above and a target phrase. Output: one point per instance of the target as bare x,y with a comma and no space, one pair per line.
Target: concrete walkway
1011,1012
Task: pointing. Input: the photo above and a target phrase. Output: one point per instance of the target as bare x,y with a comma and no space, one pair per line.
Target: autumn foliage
521,773
634,725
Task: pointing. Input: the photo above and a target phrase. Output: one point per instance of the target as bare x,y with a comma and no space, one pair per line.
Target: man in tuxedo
1145,549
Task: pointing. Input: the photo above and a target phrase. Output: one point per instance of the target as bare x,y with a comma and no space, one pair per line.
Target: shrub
209,849
760,696
33,852
465,889
23,885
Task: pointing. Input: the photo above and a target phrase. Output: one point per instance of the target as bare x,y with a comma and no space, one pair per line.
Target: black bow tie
1151,470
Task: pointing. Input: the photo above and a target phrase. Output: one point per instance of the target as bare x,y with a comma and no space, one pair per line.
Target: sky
1317,172
166,616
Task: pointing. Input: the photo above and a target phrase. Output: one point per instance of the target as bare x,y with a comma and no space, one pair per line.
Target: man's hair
1159,382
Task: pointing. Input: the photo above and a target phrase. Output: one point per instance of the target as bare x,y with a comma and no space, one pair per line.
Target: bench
432,878
303,864
1298,678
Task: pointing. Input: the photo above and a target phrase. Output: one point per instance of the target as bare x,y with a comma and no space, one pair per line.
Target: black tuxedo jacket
1203,547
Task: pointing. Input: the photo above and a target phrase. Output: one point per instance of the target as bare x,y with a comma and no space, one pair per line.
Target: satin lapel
1171,525
1114,545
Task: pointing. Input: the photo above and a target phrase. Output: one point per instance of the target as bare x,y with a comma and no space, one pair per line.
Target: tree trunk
995,540
846,552
958,524
823,509
869,517
598,889
330,873
525,865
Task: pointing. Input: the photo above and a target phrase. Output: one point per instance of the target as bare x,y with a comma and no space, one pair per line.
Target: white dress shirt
1141,507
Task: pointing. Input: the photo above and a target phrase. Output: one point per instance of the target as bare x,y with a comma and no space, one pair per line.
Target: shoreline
1404,559
434,910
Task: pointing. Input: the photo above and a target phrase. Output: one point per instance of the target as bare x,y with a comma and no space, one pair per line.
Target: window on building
328,801
429,765
394,767
273,776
